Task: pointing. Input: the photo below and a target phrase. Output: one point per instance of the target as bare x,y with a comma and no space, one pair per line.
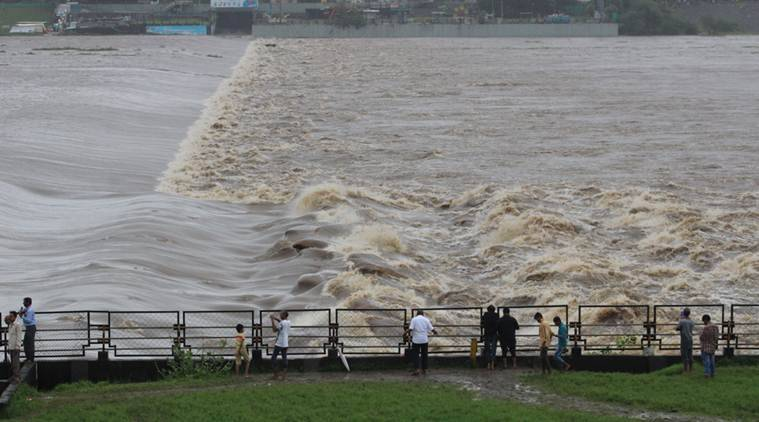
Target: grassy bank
731,394
228,399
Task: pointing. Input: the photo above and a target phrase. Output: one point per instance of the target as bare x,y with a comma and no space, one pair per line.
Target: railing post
257,356
728,351
577,337
407,340
333,340
104,339
648,351
3,341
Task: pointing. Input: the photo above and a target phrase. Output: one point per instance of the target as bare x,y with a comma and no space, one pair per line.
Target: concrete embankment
437,31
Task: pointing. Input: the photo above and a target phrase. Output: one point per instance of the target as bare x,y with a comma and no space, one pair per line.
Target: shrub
647,17
185,365
717,26
346,16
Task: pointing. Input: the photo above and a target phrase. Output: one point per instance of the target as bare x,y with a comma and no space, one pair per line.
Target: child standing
241,351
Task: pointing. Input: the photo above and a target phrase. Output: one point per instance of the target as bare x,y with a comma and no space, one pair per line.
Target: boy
241,351
563,337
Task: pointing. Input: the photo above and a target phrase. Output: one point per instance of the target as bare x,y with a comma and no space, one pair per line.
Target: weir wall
413,30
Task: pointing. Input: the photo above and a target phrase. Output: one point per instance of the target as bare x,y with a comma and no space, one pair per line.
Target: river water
148,173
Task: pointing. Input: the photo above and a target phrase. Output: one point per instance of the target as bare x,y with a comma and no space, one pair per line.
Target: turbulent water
369,173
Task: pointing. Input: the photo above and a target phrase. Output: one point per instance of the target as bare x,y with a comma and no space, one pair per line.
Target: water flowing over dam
364,173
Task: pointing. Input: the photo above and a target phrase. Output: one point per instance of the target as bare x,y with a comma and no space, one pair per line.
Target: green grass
227,400
733,393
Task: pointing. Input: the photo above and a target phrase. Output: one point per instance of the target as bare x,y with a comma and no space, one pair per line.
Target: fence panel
213,332
745,320
527,335
607,328
456,328
143,334
310,331
666,318
370,331
61,334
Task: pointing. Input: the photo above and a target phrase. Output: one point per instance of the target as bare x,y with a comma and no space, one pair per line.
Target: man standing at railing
709,338
281,326
507,333
685,327
420,327
489,324
14,345
30,327
545,334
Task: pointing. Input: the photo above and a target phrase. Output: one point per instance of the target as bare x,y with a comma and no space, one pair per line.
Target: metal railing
607,328
316,332
666,320
527,335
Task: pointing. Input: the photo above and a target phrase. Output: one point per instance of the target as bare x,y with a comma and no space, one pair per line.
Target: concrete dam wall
437,31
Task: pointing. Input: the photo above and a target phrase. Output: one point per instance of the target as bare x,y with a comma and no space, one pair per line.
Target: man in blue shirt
563,336
30,327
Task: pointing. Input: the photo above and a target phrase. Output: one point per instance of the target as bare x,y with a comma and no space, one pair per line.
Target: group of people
504,329
495,329
280,325
18,337
709,339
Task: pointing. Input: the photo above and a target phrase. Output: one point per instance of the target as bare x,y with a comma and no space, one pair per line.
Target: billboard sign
234,4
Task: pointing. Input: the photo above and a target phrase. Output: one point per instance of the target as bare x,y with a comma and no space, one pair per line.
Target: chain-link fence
594,328
527,339
456,327
370,331
613,328
744,327
311,331
213,332
147,334
61,334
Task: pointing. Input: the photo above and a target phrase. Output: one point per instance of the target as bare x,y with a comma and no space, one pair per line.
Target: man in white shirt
15,341
419,328
281,326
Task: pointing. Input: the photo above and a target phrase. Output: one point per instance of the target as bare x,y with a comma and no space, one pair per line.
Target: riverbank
260,399
443,394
